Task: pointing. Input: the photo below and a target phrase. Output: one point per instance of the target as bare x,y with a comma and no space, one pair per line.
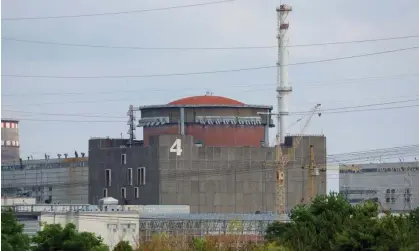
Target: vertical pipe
283,88
267,128
182,121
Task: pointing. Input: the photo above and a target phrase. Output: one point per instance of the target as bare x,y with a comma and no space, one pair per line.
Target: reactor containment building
208,152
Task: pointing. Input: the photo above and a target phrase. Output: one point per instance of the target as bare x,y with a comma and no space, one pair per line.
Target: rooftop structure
10,144
211,120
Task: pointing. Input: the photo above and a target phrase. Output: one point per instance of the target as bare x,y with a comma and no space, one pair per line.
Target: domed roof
206,100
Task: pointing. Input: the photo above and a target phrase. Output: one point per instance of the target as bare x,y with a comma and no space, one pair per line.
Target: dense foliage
331,223
56,238
12,236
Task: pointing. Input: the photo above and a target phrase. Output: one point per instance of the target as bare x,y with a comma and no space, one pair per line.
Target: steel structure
282,160
252,227
47,180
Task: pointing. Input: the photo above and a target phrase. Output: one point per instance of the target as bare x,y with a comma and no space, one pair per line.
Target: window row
140,181
123,192
9,143
9,125
391,195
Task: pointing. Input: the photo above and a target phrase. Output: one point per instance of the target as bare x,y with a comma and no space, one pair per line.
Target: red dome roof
206,100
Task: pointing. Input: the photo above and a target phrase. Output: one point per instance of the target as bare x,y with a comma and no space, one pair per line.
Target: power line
294,113
331,82
117,13
202,48
361,106
120,121
209,72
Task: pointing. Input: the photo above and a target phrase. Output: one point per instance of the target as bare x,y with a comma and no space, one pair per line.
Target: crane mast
282,160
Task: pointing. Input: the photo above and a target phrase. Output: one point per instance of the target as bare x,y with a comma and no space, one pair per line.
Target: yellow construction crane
282,160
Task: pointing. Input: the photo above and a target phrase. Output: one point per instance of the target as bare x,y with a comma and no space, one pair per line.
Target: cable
209,72
333,82
117,13
120,121
330,110
202,48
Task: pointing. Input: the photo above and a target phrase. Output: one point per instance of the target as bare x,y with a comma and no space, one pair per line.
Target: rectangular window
141,176
137,192
129,176
2,125
108,177
7,125
124,192
124,159
105,192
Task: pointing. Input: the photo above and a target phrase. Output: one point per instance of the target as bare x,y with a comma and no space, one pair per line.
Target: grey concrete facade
209,179
49,181
395,185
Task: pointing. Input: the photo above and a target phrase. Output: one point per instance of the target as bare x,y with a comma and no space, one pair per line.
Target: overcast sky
238,23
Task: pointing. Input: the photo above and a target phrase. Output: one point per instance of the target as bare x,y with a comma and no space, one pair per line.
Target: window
141,176
16,125
108,177
105,192
388,196
13,143
2,142
7,142
393,196
2,125
124,159
7,125
124,192
129,176
137,192
17,143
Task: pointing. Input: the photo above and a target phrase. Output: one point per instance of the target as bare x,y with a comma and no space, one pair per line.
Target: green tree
122,246
331,223
12,236
56,238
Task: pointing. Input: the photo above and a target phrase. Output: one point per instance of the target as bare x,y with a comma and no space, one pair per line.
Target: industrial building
178,164
135,223
60,180
394,185
10,144
211,120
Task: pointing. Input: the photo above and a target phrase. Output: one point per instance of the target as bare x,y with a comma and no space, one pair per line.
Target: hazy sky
239,23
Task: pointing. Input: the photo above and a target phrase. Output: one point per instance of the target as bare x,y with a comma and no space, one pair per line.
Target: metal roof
204,105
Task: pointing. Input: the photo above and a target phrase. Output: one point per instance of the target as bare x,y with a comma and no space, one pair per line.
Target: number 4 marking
177,147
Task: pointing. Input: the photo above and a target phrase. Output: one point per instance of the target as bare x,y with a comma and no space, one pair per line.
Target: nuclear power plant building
208,152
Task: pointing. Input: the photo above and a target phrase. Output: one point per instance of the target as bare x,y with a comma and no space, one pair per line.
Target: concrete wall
102,158
209,179
241,180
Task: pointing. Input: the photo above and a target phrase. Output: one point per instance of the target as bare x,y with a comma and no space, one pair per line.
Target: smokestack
283,88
